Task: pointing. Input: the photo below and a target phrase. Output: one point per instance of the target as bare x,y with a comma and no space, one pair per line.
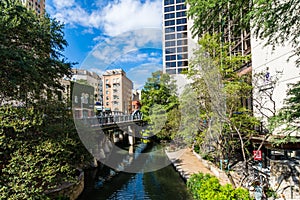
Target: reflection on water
160,184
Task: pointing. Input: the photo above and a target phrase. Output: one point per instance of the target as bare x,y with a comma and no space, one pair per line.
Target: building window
182,63
170,37
180,1
107,103
170,30
171,57
168,2
107,98
182,35
170,16
169,9
182,42
180,7
181,14
170,43
181,21
181,49
170,23
170,50
181,28
182,56
170,64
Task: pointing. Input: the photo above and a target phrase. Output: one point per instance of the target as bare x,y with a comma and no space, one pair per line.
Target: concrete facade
37,5
117,91
273,70
89,78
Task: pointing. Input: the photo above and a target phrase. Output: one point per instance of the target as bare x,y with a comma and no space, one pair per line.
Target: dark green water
161,184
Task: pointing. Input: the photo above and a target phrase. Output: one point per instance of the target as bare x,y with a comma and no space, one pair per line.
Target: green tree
213,16
286,121
31,60
39,146
229,123
158,101
192,121
277,21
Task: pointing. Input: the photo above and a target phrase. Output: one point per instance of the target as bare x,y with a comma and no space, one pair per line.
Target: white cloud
126,15
125,26
110,49
63,3
133,57
72,13
114,17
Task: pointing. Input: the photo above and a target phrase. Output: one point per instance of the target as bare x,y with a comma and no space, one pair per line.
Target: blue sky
110,34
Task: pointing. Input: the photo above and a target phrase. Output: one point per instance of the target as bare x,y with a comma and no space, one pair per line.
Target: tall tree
31,60
159,100
159,89
37,152
229,123
214,16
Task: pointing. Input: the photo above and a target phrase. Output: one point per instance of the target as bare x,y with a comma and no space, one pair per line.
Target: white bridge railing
111,118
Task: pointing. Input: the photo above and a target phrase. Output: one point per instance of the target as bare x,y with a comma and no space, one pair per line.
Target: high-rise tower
175,57
177,41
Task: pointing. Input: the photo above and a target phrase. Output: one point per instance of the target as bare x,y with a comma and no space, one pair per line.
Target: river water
161,184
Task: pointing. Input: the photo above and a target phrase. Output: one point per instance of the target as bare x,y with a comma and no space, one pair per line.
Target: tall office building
177,42
37,5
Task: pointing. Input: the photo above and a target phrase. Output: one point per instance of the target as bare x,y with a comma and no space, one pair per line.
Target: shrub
205,186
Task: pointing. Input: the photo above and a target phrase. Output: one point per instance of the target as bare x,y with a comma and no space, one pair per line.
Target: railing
115,119
118,117
108,118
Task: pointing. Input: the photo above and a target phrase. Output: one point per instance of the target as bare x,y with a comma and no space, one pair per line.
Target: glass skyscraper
176,36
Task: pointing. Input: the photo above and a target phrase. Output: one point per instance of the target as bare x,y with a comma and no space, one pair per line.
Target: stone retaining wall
70,190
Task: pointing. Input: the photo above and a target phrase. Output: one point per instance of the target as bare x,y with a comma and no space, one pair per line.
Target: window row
172,15
178,28
178,21
173,43
168,2
179,64
172,8
179,57
179,50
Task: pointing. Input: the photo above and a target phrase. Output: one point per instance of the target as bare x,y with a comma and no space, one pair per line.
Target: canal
161,184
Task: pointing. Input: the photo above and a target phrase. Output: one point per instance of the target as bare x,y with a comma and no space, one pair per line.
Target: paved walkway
188,164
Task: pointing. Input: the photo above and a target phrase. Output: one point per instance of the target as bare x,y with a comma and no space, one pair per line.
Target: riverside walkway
188,163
